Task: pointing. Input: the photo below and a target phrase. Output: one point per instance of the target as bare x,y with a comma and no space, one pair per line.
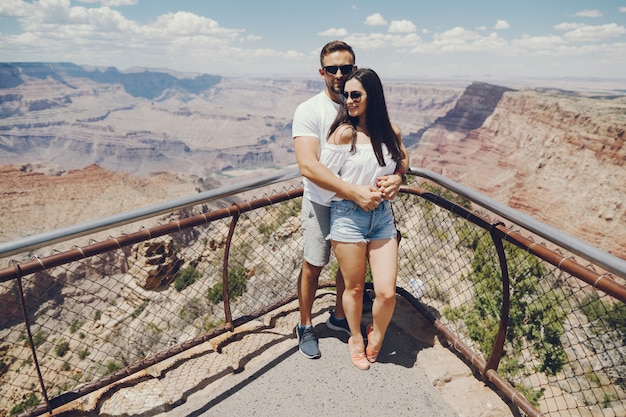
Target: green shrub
609,314
83,353
112,366
29,403
39,338
191,310
62,347
75,326
140,309
186,277
236,286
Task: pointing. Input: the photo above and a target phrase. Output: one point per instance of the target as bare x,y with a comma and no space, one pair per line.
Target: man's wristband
402,174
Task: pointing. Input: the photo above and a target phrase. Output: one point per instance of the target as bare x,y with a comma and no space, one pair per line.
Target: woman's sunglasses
354,95
345,69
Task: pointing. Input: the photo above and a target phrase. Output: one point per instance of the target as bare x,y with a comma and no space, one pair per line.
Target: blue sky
417,39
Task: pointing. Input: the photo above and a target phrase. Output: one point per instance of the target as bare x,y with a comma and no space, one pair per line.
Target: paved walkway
258,371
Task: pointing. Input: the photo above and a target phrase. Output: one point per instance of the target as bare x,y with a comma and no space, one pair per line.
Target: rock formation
154,263
555,156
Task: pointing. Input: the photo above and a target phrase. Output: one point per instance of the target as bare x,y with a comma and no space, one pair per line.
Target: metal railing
545,329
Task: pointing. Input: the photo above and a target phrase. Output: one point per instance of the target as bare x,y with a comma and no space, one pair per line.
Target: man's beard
335,89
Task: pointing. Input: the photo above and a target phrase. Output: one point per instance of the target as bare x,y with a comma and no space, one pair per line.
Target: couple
353,162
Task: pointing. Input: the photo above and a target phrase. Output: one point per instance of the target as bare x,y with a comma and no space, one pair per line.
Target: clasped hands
386,189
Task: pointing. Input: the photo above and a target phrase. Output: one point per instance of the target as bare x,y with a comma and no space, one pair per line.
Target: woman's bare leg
351,258
383,258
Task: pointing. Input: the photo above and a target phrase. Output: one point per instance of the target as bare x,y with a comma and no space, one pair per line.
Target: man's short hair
334,46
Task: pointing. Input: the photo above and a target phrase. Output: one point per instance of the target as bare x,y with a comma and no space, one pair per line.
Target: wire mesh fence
103,315
565,345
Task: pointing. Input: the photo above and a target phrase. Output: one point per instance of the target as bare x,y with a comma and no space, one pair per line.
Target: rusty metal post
231,232
20,290
498,343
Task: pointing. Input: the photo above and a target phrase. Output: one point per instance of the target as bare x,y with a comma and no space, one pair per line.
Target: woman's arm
390,184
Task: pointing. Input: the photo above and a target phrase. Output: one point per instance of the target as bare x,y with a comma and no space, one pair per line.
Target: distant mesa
146,84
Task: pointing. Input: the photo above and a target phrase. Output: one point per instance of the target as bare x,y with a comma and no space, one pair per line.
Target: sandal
358,358
371,354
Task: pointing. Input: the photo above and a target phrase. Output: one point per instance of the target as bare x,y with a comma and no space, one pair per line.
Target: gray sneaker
341,325
307,342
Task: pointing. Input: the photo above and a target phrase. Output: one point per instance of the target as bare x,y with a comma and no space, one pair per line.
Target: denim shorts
350,223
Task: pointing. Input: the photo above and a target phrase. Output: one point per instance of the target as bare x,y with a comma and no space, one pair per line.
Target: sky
443,39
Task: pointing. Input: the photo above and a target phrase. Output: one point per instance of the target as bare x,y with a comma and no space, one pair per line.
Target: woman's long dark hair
377,117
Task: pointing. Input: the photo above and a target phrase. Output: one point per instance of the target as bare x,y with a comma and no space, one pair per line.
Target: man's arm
307,151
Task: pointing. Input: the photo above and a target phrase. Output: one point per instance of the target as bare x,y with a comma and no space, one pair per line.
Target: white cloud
402,26
589,13
383,40
14,8
98,33
341,32
622,9
115,3
188,24
595,33
111,3
453,40
57,31
375,19
455,35
502,24
569,26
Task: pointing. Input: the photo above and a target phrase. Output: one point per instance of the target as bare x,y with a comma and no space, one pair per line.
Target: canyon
78,144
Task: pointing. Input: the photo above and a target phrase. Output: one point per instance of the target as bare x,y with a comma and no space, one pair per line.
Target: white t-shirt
313,118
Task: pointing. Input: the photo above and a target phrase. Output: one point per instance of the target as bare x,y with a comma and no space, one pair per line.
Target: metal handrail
590,253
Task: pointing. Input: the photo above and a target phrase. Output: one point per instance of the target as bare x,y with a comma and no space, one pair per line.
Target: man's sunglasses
354,95
345,69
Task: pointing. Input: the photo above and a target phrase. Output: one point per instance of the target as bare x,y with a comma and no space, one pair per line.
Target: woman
364,148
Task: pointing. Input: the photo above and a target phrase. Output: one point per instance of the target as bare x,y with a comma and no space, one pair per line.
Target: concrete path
258,371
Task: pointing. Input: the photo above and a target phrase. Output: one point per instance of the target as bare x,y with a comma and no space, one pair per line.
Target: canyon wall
556,155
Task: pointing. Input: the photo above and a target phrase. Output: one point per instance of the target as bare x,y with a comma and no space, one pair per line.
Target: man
311,122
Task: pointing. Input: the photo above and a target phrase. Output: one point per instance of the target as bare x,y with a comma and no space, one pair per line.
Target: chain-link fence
565,345
82,318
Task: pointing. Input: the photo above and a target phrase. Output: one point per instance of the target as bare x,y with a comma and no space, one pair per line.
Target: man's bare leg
307,288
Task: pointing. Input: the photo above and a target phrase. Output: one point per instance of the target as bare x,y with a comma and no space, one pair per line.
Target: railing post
225,296
498,344
20,290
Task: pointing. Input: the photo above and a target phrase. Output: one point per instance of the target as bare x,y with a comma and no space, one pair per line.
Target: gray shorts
315,229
